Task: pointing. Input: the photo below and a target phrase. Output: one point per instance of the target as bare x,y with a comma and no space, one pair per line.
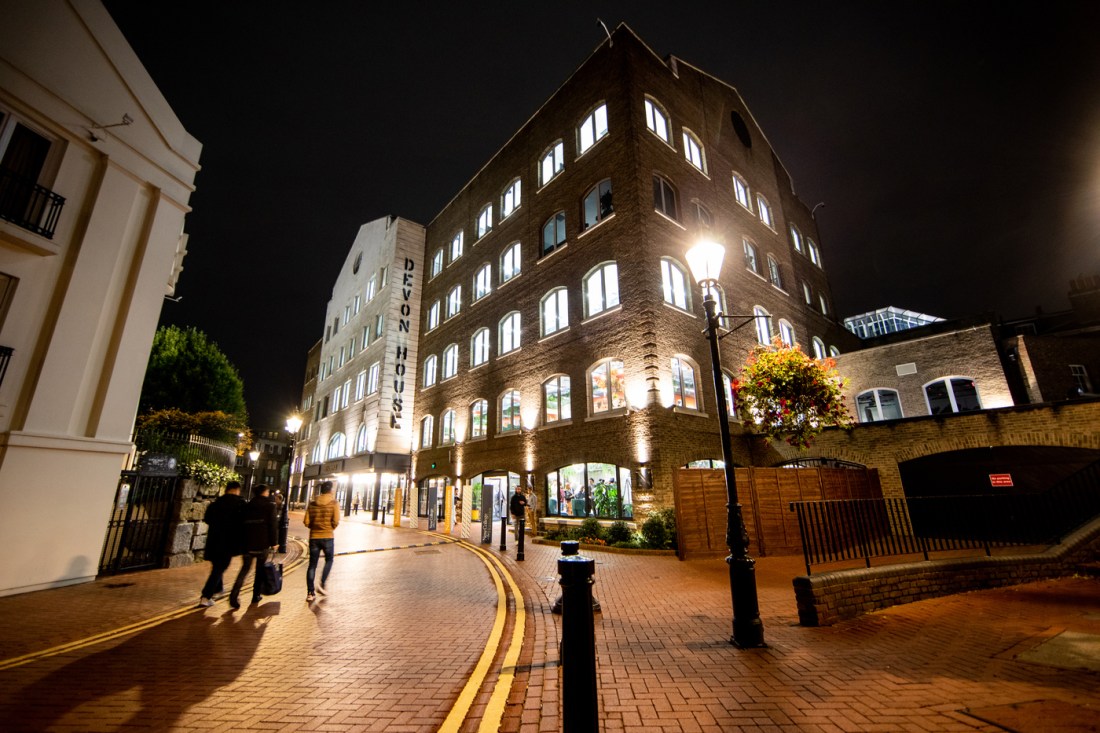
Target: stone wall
187,533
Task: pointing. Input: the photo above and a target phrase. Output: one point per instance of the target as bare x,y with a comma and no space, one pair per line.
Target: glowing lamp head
705,261
293,424
254,455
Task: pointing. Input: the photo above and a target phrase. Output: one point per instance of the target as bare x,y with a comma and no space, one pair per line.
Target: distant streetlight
293,425
255,456
705,261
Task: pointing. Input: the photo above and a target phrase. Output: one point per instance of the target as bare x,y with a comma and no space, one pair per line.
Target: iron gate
137,534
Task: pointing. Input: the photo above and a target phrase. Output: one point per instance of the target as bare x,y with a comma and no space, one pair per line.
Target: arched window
775,275
834,351
741,192
704,220
454,301
430,370
786,332
664,198
337,444
552,163
450,361
715,290
601,289
597,204
762,321
815,253
674,283
592,129
509,411
510,199
553,233
656,120
607,379
437,262
510,263
361,439
433,316
952,394
483,282
554,311
764,209
317,455
819,348
509,337
556,399
447,428
479,416
693,151
878,404
479,347
456,245
796,239
684,393
427,431
485,221
752,260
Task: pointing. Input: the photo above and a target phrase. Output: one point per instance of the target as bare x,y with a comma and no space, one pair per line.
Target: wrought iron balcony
28,205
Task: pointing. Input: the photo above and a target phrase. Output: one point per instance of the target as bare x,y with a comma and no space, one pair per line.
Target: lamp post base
748,629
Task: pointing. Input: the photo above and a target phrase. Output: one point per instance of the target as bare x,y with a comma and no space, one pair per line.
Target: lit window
664,198
807,293
556,399
358,303
360,385
774,273
336,446
366,336
317,455
347,394
956,394
336,398
1080,375
430,366
450,361
372,286
437,262
343,354
693,151
454,301
553,233
715,291
433,315
479,416
878,404
741,191
510,263
608,382
752,262
815,255
731,399
822,302
456,246
347,314
834,351
361,439
674,284
552,163
427,431
510,199
762,322
702,215
786,332
765,211
479,347
819,348
555,311
597,204
483,282
372,378
656,120
592,129
683,384
509,411
379,325
447,428
601,289
485,221
509,338
796,239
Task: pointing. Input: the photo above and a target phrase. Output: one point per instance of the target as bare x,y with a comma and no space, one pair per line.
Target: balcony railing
28,205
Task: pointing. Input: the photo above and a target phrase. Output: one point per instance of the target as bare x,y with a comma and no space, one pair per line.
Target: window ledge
509,353
669,219
27,240
601,314
478,439
552,252
552,335
597,225
508,433
780,289
688,411
618,412
555,424
678,309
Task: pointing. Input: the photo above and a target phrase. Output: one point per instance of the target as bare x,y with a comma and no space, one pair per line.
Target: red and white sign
1000,479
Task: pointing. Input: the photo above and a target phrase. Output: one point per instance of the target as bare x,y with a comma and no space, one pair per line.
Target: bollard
579,703
503,532
519,541
384,511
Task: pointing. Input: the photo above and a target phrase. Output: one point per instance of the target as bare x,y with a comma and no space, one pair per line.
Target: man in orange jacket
322,516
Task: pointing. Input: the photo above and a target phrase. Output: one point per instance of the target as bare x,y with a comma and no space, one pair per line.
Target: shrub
619,532
654,532
668,516
590,527
206,473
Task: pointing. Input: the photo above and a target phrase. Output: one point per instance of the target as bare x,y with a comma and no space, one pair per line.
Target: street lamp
293,425
705,261
255,456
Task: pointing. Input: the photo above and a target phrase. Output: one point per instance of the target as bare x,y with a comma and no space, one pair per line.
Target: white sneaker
206,602
321,590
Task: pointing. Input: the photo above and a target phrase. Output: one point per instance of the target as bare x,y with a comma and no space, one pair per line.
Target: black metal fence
833,531
184,446
137,533
26,204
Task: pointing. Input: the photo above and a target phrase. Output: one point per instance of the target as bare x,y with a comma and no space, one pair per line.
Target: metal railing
28,205
850,529
184,446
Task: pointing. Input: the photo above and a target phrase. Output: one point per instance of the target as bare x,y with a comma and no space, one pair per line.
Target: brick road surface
393,645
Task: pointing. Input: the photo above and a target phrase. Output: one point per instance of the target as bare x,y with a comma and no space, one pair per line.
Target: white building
359,432
94,187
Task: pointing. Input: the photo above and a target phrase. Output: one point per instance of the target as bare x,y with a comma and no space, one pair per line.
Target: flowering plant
206,473
784,393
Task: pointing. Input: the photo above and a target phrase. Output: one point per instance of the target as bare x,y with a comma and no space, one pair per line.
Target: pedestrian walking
517,507
532,510
260,535
223,519
355,506
282,512
322,516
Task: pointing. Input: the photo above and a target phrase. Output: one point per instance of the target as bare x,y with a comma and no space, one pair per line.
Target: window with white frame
379,325
454,301
752,260
674,283
427,431
607,386
336,398
764,209
715,290
447,428
510,263
702,216
762,322
601,289
337,445
457,245
597,204
346,399
741,192
952,394
437,262
509,411
878,404
555,311
592,129
509,338
796,239
433,315
786,332
483,282
807,293
731,398
360,385
553,233
485,221
656,120
823,303
358,303
361,439
775,275
450,361
383,276
556,399
317,455
1080,375
347,313
479,419
684,393
365,336
552,163
664,198
834,351
819,348
479,347
815,254
372,377
372,287
431,365
510,199
693,151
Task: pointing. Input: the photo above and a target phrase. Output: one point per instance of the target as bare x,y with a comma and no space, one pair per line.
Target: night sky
956,146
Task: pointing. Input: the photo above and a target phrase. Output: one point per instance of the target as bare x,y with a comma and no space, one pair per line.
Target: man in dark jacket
223,538
261,533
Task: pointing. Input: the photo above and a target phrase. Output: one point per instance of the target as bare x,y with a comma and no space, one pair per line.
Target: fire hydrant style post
580,705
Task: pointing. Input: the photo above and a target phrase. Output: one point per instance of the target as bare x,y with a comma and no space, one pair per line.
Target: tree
783,393
190,373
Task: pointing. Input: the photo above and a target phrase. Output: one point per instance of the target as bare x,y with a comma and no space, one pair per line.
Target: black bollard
503,532
284,525
519,541
579,703
383,512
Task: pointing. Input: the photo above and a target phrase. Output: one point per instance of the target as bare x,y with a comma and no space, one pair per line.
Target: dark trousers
218,565
316,547
250,557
